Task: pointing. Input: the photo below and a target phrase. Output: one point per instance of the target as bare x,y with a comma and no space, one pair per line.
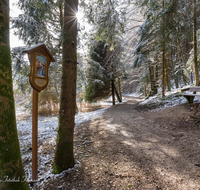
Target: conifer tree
64,155
98,79
197,82
108,18
162,38
11,167
103,67
55,23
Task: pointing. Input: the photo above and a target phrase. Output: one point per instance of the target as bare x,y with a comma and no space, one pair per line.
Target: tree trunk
196,70
191,75
174,76
173,71
117,94
186,58
163,72
152,80
156,82
64,156
113,92
181,59
119,86
168,75
10,158
163,60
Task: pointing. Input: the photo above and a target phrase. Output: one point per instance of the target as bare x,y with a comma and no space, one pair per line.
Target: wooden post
39,81
34,135
113,92
119,86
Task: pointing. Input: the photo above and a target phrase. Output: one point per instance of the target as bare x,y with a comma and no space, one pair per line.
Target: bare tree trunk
168,76
173,70
64,156
163,60
10,158
152,79
192,72
156,82
163,72
174,76
113,92
117,94
119,86
196,70
181,59
191,77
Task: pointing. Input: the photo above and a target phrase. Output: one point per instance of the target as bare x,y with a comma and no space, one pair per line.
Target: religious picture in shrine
41,64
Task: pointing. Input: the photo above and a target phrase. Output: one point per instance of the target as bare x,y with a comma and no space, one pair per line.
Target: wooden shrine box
40,59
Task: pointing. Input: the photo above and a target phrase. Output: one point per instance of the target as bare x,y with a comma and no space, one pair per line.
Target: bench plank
194,89
189,97
184,94
185,89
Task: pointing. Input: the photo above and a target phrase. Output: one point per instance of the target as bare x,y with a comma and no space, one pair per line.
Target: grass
89,107
49,108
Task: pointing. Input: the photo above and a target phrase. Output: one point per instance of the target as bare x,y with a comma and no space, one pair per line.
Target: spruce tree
197,82
162,38
103,67
64,156
108,19
98,80
11,167
54,23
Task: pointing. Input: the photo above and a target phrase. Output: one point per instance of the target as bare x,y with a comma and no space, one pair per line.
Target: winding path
146,150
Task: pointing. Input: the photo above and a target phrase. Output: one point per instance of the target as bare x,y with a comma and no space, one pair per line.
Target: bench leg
189,99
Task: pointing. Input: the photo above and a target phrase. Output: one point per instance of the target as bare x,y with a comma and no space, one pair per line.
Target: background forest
160,38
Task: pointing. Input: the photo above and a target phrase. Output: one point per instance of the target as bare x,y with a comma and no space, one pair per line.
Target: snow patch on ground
83,117
171,99
135,94
47,132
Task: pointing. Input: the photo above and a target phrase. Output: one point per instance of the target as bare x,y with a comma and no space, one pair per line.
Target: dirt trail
129,147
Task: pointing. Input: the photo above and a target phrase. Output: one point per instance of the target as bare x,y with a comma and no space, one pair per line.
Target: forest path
129,147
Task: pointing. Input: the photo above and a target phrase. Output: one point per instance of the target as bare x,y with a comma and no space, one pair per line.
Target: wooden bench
190,97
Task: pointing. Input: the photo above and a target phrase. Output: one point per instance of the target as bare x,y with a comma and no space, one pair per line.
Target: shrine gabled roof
37,47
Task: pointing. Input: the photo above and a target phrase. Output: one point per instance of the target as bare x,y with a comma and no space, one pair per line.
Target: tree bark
181,59
191,74
163,59
64,156
174,76
117,94
10,158
156,82
113,92
119,86
163,72
168,75
196,70
152,79
173,71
